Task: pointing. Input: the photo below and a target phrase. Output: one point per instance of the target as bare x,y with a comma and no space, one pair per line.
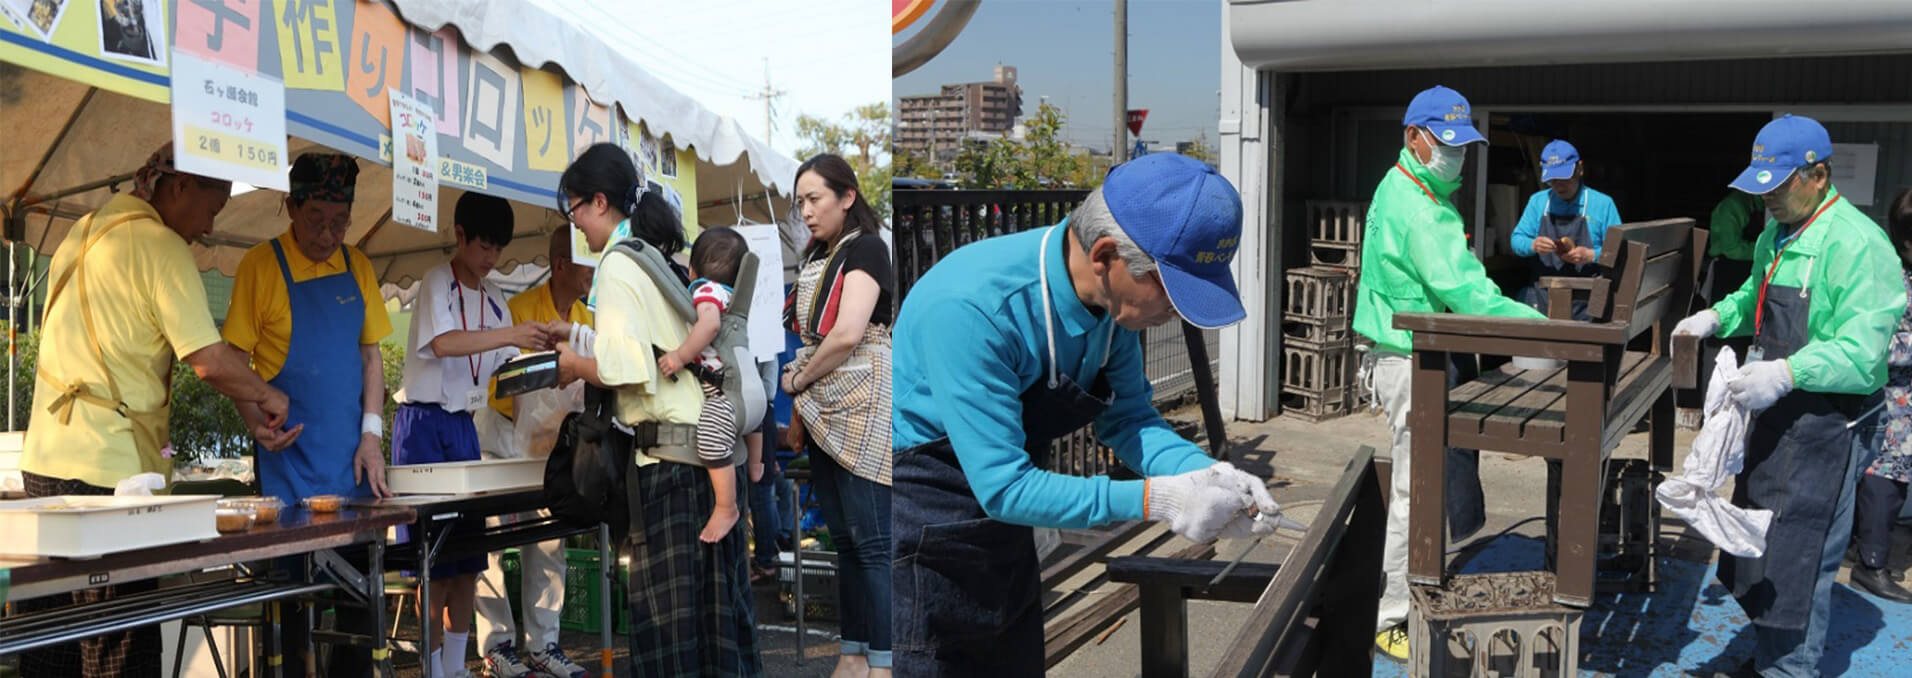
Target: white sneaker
551,663
501,661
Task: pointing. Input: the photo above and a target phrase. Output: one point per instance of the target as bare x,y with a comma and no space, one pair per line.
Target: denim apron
1573,226
1797,452
324,378
968,587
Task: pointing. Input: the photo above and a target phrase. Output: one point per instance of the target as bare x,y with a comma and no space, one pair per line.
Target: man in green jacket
1414,259
1821,304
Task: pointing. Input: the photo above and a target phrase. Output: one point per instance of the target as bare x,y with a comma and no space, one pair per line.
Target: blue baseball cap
1783,145
1558,160
1444,112
1187,218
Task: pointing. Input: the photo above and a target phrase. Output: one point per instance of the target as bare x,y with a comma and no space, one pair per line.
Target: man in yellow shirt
306,307
559,303
126,300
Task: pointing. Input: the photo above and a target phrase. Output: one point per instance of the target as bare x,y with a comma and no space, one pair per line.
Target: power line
769,96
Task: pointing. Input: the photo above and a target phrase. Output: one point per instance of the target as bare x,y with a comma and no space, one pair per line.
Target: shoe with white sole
550,662
502,661
1393,642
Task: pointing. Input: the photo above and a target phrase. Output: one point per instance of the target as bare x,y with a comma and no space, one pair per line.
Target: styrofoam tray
90,526
465,477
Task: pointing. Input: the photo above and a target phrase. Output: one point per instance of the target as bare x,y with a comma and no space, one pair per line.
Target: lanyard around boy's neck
458,289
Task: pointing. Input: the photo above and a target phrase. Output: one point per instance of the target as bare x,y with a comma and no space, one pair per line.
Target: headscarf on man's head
331,177
146,180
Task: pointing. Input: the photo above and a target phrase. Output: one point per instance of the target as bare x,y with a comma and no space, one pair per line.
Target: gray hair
1091,222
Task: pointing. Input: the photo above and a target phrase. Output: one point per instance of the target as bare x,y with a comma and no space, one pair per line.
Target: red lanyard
1430,194
459,289
1759,312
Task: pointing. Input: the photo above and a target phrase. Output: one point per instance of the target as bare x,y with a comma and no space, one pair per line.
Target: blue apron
968,587
324,377
1797,453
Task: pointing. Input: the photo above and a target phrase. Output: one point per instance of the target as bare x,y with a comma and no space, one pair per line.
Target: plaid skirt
690,601
848,410
126,654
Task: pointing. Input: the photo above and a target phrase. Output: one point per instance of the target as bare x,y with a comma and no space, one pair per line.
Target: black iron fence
929,224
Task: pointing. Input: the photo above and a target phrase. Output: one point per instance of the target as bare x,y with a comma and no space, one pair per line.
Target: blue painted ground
1692,626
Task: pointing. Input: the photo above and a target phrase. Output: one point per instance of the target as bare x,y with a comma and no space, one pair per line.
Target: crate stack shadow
1320,351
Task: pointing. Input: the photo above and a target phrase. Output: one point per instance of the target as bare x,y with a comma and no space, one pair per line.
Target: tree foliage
1041,160
862,137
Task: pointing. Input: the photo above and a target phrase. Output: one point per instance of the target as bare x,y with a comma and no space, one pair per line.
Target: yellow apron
149,427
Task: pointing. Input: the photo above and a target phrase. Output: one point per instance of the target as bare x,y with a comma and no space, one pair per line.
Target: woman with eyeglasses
690,602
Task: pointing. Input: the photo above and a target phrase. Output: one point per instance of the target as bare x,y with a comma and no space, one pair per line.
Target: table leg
311,663
275,642
607,570
375,596
1427,483
421,535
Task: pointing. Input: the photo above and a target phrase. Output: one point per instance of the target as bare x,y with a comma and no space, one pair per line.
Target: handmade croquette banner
503,128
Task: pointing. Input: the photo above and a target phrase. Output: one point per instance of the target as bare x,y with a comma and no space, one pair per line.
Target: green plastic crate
582,585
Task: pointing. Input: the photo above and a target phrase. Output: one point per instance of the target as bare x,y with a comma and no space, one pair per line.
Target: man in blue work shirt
1009,343
1564,225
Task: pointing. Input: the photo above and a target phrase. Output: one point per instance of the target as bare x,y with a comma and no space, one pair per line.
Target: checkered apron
847,411
126,654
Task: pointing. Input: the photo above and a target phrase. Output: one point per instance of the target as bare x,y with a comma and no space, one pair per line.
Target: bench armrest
1511,328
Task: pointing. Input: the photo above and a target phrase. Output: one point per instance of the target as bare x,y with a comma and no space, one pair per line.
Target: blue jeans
1785,653
766,520
858,513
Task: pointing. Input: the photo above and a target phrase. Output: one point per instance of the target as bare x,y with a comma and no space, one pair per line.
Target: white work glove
1246,525
1703,324
1761,383
1197,504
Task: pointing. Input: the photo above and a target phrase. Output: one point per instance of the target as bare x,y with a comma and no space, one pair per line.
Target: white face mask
1445,162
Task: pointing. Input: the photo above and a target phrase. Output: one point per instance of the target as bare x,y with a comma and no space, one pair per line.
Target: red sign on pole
1136,117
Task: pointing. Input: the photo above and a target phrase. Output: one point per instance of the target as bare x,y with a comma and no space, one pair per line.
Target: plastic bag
539,416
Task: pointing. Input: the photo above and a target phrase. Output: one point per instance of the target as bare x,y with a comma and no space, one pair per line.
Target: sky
827,56
1065,50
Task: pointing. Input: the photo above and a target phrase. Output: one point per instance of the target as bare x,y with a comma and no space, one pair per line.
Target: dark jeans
766,518
1878,505
857,512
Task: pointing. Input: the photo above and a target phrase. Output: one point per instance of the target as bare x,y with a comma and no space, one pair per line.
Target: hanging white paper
414,163
228,123
766,308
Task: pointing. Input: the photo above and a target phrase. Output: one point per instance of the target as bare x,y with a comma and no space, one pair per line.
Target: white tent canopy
70,146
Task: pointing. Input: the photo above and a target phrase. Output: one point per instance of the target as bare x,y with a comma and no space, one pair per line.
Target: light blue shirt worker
1560,170
979,343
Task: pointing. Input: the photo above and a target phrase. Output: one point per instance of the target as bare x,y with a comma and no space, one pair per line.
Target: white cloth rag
1719,452
140,485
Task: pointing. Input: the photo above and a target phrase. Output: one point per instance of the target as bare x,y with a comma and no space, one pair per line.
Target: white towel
1719,451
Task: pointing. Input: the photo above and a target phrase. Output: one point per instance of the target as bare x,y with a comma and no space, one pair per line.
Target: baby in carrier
714,260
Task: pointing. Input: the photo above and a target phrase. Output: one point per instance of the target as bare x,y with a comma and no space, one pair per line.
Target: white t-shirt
458,383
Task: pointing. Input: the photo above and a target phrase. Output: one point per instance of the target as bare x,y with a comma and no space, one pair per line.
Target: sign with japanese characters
414,163
228,123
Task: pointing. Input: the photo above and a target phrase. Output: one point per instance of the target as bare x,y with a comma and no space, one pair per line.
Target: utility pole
1119,153
769,95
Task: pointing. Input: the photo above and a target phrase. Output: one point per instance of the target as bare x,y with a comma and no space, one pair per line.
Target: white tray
465,477
91,526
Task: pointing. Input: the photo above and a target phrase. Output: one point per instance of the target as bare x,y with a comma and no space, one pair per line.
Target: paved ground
1691,627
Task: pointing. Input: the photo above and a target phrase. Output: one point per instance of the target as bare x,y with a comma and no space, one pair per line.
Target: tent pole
76,190
55,146
375,227
13,326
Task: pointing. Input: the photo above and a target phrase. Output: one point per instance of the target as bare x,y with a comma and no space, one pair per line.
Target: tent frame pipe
76,190
54,147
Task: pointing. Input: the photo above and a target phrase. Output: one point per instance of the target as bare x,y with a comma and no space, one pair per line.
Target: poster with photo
647,149
133,30
667,159
39,16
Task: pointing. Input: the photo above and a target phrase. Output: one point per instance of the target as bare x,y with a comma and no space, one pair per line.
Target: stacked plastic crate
1318,349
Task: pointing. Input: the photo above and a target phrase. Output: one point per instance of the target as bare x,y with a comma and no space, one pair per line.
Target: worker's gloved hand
1226,475
1761,383
1196,504
1246,526
1702,324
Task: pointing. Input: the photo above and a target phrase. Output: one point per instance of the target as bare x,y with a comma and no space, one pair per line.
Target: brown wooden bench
1314,612
1576,413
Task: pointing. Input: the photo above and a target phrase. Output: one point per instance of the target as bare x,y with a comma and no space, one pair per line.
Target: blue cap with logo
1444,112
1783,145
1558,160
1187,218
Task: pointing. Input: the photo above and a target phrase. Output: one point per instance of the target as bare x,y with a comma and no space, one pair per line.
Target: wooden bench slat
1565,331
1500,388
1528,407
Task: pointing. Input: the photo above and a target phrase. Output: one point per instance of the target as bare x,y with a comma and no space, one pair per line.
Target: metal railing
929,224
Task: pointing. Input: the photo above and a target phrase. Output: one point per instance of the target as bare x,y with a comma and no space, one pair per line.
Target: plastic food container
324,503
465,477
233,519
265,510
89,526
